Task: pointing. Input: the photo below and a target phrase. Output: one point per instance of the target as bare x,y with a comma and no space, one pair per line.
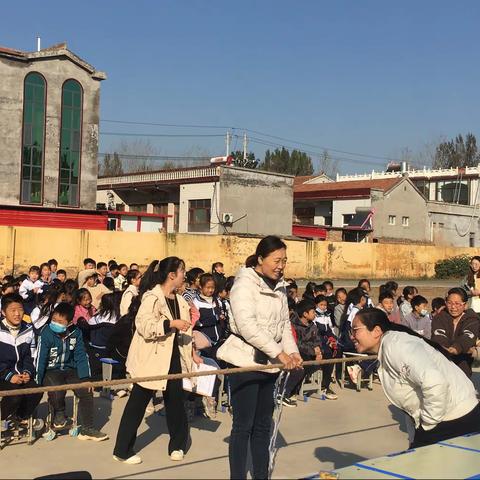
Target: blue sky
372,77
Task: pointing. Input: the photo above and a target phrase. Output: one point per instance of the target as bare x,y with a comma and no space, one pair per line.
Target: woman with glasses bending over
162,344
418,377
261,334
456,329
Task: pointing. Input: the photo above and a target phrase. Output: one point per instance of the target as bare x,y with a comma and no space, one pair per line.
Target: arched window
70,144
33,142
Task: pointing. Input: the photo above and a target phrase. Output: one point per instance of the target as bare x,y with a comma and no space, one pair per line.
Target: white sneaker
353,372
133,460
177,455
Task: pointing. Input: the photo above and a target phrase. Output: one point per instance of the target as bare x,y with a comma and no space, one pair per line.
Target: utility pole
227,141
245,145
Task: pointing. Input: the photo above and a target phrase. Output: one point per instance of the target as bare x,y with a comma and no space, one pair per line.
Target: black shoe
92,434
289,402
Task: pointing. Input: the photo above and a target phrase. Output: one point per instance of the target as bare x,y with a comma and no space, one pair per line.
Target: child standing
30,287
120,279
16,362
133,281
62,359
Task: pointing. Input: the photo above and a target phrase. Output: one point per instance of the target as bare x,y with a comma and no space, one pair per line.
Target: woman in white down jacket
261,334
418,378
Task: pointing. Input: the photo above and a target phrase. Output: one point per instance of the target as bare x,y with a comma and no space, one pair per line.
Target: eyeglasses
353,331
455,304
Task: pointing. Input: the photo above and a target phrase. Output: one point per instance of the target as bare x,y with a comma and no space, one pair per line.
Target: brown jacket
463,338
151,348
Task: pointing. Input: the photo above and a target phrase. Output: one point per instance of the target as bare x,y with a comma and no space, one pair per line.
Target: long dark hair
309,293
409,290
471,275
157,273
109,305
374,317
50,299
265,247
353,297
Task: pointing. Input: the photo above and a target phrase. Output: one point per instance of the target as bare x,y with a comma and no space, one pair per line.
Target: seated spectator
61,275
133,266
53,264
292,291
330,348
133,281
16,363
40,315
45,276
90,282
71,287
29,289
364,284
83,306
386,303
102,270
89,264
457,329
419,320
218,272
404,301
331,299
309,293
340,297
62,359
121,280
319,289
193,279
438,305
309,345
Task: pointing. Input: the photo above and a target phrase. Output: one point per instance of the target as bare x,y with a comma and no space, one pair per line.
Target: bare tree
328,165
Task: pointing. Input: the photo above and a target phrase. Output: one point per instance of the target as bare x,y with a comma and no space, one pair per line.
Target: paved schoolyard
315,435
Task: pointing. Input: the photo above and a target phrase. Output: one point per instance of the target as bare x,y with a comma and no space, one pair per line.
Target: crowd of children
56,330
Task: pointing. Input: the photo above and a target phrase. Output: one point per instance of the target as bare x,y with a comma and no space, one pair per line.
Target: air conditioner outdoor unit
227,218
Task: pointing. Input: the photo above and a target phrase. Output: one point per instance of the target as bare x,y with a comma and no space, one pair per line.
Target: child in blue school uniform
62,359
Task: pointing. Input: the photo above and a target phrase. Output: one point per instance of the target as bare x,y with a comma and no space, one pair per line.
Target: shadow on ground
338,458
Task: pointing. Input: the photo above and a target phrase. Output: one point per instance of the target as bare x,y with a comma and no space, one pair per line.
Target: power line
316,153
130,134
257,132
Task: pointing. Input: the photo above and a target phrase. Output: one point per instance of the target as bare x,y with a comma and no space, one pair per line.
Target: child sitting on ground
16,362
62,359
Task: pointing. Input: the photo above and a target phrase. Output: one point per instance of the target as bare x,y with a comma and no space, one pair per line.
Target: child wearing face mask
62,359
419,319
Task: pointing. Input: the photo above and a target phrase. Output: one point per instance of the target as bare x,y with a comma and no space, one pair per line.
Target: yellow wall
21,247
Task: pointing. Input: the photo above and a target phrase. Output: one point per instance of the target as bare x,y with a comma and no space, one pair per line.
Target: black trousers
469,423
22,405
252,406
297,376
56,400
177,421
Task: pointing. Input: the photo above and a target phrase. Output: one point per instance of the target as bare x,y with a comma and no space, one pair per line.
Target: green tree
239,161
459,152
282,161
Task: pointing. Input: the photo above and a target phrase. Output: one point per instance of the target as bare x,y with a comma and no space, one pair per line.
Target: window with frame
70,144
405,221
347,217
199,215
33,142
392,219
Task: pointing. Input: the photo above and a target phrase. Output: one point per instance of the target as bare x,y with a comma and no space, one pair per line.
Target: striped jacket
16,352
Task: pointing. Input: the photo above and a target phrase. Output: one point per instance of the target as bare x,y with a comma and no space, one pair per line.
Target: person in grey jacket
260,334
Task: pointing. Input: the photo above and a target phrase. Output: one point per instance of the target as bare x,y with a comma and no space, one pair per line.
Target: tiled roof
348,188
11,51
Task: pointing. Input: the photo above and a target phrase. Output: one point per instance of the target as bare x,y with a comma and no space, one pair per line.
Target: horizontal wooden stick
175,376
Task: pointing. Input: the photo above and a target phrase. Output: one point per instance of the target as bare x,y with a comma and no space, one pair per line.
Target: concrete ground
316,435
